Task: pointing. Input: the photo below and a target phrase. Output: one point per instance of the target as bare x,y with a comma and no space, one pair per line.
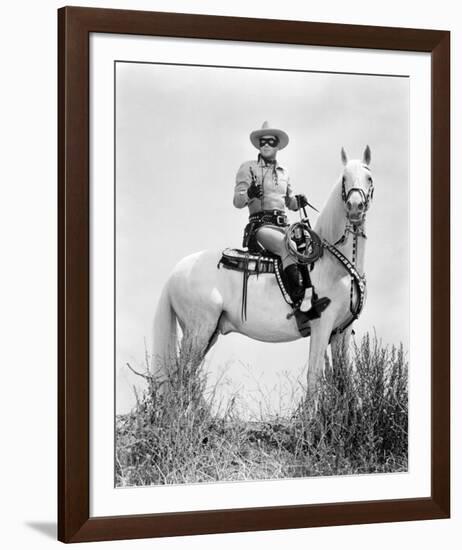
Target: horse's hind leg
199,338
214,336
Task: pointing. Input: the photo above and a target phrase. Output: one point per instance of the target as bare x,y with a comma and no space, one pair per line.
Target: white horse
206,301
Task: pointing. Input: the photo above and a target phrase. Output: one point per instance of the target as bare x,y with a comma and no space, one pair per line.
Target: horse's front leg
340,347
320,333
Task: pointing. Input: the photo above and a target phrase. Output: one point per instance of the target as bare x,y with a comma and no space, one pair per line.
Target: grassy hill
358,425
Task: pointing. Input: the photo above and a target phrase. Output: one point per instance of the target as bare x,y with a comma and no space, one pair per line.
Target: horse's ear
344,156
367,155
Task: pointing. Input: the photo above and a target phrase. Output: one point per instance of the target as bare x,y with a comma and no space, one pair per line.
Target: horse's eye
370,179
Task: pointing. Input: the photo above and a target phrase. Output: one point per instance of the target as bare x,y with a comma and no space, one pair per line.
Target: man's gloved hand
301,200
255,191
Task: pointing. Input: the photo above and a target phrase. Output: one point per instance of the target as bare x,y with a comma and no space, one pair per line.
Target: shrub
361,415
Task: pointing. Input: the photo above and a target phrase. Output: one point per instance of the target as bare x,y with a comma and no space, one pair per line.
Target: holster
272,217
249,240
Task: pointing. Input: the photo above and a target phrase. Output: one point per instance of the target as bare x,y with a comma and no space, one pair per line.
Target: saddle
255,261
245,260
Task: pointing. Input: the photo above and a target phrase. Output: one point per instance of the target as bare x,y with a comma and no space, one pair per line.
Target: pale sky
182,133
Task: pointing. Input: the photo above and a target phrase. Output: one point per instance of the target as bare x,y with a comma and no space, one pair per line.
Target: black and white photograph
261,273
230,272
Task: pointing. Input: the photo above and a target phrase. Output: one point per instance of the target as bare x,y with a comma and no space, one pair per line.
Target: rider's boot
296,288
295,283
297,280
318,305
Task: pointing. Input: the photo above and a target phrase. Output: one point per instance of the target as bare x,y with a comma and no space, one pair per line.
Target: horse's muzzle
356,218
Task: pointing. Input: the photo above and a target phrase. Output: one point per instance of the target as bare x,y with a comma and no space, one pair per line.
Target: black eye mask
271,141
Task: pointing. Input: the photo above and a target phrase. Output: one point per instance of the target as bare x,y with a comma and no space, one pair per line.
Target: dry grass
358,426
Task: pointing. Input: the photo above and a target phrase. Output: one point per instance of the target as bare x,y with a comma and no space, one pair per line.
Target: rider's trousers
272,238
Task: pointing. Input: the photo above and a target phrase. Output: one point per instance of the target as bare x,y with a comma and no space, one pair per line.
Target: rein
354,229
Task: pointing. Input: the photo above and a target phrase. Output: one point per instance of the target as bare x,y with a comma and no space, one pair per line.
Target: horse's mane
331,221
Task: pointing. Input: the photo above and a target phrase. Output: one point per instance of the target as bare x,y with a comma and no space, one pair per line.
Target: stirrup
303,318
318,305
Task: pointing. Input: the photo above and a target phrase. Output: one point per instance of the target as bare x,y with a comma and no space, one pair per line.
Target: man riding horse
263,185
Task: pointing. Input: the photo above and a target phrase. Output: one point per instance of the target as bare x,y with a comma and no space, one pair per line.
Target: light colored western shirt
274,178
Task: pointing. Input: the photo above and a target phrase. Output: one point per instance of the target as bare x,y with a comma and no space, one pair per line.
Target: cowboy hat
267,131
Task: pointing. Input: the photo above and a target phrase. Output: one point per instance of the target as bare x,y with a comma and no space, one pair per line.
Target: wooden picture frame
74,521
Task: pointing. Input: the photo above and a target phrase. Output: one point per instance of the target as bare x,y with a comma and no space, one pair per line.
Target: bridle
365,198
356,228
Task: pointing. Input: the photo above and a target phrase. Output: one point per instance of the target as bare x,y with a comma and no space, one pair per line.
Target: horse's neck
331,226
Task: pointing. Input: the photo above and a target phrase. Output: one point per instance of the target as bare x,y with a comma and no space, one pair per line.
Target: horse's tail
165,334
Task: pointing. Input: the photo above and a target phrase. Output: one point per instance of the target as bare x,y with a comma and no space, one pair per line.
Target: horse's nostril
360,206
348,204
